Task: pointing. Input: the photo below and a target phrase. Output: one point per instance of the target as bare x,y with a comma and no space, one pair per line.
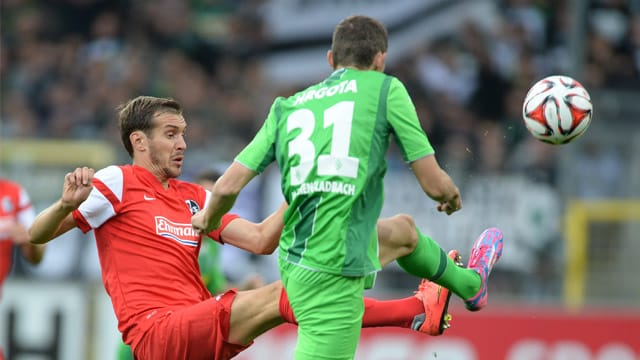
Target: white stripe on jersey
97,209
27,214
113,178
207,198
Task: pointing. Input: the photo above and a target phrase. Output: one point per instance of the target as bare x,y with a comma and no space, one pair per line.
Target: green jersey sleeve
403,118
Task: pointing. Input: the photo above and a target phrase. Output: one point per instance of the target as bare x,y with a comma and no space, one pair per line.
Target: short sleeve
409,135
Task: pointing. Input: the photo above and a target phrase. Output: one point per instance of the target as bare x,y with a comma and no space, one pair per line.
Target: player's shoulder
11,189
111,179
396,86
373,80
9,184
333,80
374,75
394,80
112,173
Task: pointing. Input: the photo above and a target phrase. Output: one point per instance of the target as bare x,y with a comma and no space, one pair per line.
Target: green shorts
329,310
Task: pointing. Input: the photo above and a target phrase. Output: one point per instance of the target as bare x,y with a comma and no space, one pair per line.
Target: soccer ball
557,109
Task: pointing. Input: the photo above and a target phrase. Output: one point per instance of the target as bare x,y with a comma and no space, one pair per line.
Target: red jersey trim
217,233
23,207
82,224
106,192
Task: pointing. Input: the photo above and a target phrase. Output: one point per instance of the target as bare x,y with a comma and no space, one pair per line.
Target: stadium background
567,287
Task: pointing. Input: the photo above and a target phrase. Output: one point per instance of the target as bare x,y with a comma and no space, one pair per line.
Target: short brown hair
356,41
138,113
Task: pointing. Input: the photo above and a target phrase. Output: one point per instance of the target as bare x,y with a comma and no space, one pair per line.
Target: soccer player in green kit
330,142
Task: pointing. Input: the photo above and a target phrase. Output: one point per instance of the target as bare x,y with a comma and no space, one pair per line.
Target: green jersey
330,142
209,260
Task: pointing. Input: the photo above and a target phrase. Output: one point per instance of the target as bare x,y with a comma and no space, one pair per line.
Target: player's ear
379,61
330,59
137,139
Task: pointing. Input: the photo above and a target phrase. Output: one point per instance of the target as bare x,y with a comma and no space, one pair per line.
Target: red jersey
15,206
147,247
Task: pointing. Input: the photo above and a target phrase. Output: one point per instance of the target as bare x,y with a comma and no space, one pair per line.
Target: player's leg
435,299
329,311
397,237
259,310
418,254
428,260
253,312
425,311
256,311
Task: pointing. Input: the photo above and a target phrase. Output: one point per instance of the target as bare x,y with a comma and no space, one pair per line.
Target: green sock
430,262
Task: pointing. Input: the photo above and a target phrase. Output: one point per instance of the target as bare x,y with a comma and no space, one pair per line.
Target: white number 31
338,162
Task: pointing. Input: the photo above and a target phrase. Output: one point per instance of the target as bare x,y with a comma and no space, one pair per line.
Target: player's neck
155,170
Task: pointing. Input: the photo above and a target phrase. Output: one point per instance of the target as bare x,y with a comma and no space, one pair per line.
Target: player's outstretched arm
33,253
437,184
19,234
257,238
57,219
397,235
223,196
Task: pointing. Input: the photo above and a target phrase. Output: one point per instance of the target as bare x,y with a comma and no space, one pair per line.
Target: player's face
167,145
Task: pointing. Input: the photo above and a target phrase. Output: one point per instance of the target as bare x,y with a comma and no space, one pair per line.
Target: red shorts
195,332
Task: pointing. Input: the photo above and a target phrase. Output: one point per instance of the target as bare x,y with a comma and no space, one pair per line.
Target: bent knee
408,227
405,220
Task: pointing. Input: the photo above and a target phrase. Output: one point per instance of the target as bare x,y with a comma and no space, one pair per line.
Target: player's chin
175,170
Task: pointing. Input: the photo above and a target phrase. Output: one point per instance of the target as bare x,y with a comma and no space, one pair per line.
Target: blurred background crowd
65,65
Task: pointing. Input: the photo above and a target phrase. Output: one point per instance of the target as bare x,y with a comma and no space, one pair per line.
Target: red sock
399,312
377,313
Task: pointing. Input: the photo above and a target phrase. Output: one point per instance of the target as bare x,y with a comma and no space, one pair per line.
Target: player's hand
200,223
77,187
450,206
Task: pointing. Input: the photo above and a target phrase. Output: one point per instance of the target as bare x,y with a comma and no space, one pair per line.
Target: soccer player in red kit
16,215
148,250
